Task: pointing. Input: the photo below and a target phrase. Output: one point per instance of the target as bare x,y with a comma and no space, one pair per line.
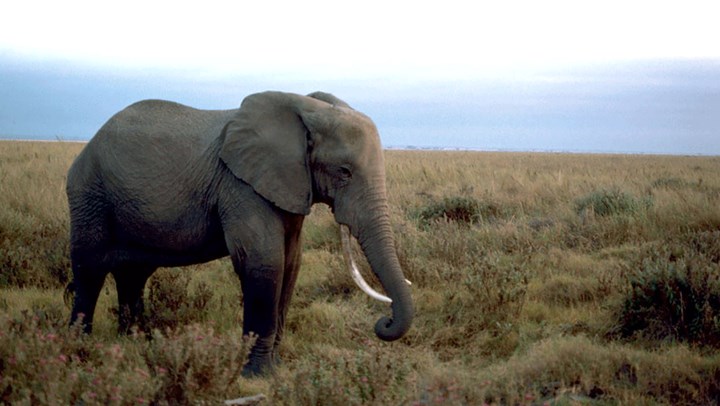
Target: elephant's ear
266,146
329,98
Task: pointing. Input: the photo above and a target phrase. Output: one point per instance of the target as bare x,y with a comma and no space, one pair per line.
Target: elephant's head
298,150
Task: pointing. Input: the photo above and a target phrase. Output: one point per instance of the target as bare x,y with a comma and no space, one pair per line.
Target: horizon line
410,148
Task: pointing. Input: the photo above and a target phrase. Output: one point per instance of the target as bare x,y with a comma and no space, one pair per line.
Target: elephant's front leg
261,296
255,234
293,253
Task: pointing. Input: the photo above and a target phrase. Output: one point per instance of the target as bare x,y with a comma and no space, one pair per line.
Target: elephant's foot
258,368
261,361
130,322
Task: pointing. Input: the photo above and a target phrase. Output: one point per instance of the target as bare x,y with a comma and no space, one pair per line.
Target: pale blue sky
615,76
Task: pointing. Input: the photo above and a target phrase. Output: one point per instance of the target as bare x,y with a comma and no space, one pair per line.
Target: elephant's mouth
354,271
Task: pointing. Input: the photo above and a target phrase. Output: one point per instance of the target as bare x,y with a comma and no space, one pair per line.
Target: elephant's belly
173,243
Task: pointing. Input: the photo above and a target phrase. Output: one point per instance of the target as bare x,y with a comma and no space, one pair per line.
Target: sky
612,76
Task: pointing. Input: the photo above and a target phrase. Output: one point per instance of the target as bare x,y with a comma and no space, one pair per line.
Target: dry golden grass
33,218
526,302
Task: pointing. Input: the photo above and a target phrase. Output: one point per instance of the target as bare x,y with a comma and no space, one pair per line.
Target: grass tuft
611,202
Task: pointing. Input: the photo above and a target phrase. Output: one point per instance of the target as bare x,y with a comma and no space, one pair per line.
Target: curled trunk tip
385,265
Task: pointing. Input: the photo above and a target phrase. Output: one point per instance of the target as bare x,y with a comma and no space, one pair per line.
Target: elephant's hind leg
89,239
87,283
130,288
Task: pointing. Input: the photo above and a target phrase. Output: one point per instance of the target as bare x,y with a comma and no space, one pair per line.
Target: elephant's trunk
375,238
353,269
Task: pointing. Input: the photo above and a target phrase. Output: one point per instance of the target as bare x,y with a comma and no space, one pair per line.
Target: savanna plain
537,279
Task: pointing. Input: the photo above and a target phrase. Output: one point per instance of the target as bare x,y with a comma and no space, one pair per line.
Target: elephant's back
149,141
164,122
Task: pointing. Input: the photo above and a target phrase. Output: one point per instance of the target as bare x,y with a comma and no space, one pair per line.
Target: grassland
538,278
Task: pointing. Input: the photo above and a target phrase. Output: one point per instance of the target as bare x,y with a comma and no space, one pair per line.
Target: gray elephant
162,184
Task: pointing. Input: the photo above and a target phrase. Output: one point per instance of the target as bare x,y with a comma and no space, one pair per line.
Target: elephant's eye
345,172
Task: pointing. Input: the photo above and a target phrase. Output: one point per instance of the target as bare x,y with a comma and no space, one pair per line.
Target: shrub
462,210
580,371
44,362
568,290
676,294
479,314
39,257
372,376
171,301
610,203
194,363
678,184
669,183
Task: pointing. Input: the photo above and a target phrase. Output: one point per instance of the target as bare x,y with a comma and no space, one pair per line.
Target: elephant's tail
69,293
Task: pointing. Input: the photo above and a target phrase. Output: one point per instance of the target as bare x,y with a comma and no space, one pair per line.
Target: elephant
164,185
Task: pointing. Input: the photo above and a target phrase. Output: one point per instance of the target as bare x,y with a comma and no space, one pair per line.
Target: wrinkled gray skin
162,184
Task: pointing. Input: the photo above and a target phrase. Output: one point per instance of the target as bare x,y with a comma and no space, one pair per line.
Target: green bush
462,210
676,294
171,301
38,256
44,362
610,203
366,377
194,363
485,306
669,183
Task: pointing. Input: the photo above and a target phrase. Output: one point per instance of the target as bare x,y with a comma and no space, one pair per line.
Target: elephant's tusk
352,267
